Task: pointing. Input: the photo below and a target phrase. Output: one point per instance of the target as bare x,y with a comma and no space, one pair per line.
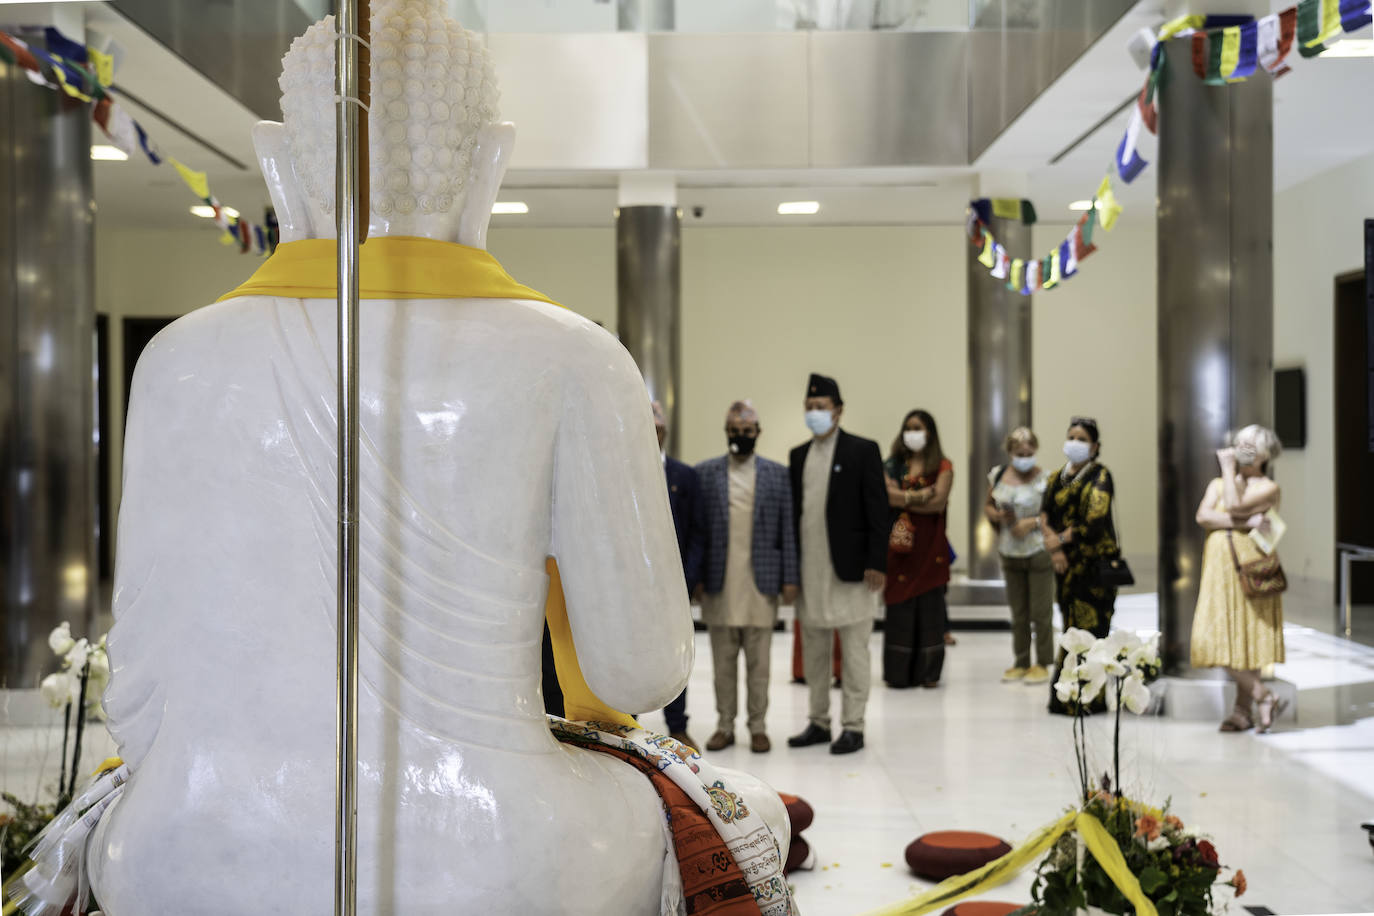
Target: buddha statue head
436,150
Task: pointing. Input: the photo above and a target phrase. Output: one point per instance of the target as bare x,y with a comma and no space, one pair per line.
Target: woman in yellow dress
1230,629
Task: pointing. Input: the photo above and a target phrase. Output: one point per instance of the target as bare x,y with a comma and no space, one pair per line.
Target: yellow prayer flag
1181,24
68,87
986,257
1018,271
1107,207
1056,271
1230,50
103,65
196,181
1006,207
1331,22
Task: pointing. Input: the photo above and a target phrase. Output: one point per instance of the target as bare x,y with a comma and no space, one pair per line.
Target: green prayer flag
1027,212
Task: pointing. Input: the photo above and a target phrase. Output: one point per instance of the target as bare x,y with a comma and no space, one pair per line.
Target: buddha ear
490,157
274,158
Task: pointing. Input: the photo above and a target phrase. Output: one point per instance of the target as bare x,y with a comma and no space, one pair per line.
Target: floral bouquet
1177,869
77,686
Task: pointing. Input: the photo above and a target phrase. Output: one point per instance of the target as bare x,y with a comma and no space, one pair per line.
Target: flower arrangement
77,686
1177,868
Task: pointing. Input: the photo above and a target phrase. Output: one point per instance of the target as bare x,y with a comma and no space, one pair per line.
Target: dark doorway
138,333
1354,453
104,521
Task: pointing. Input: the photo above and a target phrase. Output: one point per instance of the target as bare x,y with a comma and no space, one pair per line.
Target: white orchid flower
100,674
1093,676
77,655
1104,656
58,689
1120,643
1158,843
1145,656
1135,696
1076,642
60,639
1066,690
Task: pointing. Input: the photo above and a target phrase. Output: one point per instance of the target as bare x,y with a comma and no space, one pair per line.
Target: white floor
979,754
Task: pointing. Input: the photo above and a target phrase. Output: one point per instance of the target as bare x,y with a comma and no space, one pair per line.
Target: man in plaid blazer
751,559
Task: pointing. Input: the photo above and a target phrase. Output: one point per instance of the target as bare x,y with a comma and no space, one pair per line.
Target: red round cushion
981,908
799,813
945,853
796,855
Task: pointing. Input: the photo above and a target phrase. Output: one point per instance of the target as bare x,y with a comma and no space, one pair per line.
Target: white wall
1095,355
1318,235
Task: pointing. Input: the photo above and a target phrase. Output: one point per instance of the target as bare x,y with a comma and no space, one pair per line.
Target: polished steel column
648,270
999,361
47,375
1216,317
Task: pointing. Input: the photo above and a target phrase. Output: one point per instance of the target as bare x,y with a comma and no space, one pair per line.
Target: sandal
1237,721
1270,707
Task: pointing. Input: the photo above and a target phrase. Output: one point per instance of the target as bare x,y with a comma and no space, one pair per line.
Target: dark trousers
914,639
676,713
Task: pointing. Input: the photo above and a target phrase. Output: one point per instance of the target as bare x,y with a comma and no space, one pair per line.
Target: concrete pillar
999,359
48,566
648,266
1215,289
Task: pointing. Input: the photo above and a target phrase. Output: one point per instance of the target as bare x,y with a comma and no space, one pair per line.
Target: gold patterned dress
1230,629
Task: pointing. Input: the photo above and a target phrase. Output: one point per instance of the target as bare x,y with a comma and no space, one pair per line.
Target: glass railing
715,15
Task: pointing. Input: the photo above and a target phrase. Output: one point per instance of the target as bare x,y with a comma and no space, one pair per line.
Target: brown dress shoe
760,744
720,741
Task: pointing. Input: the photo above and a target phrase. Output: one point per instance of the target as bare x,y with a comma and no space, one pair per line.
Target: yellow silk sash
390,267
403,267
1095,837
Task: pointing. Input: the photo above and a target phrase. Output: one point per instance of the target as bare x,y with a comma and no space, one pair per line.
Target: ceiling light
798,208
1351,47
1081,205
207,212
106,153
510,206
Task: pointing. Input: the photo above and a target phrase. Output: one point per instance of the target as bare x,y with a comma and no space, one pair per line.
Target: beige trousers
757,643
855,670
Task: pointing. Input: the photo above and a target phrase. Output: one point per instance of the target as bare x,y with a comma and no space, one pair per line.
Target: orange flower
1173,822
1238,882
1147,826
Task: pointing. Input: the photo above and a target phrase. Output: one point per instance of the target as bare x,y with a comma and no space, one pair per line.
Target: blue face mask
820,422
1023,465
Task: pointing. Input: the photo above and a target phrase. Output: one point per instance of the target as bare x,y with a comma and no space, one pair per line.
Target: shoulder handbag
1262,578
1112,569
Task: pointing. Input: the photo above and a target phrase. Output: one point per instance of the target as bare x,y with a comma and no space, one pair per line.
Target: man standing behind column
751,556
840,499
689,518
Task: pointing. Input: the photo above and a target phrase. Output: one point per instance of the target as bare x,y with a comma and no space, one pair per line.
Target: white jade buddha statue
495,432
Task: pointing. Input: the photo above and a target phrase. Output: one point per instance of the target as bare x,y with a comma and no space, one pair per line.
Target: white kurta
739,603
825,600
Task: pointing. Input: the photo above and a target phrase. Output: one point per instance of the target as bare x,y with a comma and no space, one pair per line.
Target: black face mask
742,445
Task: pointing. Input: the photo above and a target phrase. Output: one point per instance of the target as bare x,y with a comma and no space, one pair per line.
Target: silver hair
433,89
743,410
1256,444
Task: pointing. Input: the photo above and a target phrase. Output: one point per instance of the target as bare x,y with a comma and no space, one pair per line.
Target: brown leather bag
1262,578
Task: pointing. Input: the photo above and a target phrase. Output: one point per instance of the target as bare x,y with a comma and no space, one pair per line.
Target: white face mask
820,422
1024,465
1077,451
914,439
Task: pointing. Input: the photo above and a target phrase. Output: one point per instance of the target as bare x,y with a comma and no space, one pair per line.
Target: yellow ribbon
999,871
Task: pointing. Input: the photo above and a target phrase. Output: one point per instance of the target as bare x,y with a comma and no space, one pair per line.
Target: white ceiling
1320,122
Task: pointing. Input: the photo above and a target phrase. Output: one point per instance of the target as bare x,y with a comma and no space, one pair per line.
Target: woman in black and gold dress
1076,520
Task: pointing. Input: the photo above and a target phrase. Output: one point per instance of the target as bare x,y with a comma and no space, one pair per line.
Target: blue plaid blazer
774,548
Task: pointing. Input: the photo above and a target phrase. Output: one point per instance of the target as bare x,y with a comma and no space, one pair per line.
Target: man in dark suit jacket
751,559
689,518
840,504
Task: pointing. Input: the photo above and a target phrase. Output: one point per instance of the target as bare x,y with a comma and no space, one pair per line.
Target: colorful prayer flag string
85,75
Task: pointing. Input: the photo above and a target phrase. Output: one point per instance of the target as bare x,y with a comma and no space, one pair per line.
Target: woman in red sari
919,478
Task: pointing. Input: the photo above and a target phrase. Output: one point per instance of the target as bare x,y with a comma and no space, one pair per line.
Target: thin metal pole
347,227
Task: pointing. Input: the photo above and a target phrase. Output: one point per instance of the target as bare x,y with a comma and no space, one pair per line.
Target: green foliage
17,829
